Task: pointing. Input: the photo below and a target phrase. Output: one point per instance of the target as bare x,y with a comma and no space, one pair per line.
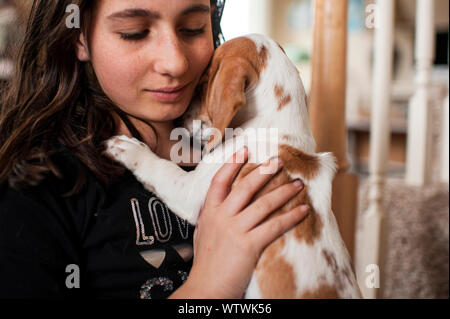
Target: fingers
243,192
265,205
272,229
221,183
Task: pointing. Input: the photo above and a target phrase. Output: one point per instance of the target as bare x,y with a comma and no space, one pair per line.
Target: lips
169,94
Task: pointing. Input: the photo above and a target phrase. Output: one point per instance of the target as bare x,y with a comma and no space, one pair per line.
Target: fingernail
277,161
273,160
242,151
304,208
298,183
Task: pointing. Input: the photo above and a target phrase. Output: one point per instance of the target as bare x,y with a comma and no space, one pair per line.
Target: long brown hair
53,100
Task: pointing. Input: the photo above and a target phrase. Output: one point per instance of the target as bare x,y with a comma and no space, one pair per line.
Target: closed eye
134,36
192,32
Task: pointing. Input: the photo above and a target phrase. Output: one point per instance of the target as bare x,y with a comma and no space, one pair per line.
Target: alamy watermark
263,142
372,17
73,277
372,280
371,21
73,19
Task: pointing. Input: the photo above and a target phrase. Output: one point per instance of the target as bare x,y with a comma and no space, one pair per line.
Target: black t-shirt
103,242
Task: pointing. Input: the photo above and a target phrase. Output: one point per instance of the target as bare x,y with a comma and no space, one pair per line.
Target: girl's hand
230,237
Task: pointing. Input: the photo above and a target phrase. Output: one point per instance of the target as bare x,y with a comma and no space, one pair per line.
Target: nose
171,59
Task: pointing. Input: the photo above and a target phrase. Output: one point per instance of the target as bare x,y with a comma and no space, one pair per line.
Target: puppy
251,85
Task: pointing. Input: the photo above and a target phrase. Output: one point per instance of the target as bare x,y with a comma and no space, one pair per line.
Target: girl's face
149,55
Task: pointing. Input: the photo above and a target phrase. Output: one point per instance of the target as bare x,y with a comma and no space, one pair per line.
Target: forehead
123,9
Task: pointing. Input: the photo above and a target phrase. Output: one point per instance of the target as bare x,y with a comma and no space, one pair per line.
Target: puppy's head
235,66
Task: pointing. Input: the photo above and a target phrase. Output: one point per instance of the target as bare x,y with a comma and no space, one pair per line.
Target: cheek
201,55
117,72
116,75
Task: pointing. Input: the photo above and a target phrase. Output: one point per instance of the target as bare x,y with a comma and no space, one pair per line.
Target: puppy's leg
183,192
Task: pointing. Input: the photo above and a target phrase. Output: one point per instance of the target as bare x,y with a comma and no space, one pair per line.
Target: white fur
186,197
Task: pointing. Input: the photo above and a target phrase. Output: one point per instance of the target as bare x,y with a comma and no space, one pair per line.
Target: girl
72,222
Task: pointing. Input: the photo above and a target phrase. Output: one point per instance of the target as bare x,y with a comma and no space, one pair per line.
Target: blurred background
393,203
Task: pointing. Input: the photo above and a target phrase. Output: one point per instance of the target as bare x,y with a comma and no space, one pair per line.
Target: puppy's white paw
128,151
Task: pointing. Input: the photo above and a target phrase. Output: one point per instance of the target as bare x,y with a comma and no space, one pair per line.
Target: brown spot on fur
341,275
330,260
297,162
346,274
323,292
283,99
135,164
241,47
281,282
310,228
263,56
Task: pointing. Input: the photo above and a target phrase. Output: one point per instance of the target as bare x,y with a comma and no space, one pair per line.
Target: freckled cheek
118,76
201,57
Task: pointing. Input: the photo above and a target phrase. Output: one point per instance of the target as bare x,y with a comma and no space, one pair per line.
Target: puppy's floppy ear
203,86
199,98
226,91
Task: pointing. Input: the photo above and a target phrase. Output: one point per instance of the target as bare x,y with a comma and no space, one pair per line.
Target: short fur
252,84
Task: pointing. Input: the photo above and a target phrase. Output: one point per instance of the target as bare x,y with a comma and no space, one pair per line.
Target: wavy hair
55,100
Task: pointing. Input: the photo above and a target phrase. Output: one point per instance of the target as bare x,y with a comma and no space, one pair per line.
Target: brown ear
203,82
227,91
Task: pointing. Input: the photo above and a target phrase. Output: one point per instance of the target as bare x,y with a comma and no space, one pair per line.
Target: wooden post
445,138
327,107
419,122
444,148
374,223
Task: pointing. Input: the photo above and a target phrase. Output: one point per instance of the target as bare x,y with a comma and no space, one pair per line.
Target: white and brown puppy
251,84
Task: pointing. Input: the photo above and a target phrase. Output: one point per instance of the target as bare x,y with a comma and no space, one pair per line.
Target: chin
168,112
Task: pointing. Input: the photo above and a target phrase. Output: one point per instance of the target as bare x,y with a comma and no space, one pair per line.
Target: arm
231,236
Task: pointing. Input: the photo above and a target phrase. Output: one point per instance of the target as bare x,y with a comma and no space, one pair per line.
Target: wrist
194,288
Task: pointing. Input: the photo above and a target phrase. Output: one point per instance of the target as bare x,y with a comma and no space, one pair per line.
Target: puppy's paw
128,151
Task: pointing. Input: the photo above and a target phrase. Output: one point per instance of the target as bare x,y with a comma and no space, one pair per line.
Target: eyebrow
144,13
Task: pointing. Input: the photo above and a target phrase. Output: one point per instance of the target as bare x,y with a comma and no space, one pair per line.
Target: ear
82,49
198,101
203,86
227,91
